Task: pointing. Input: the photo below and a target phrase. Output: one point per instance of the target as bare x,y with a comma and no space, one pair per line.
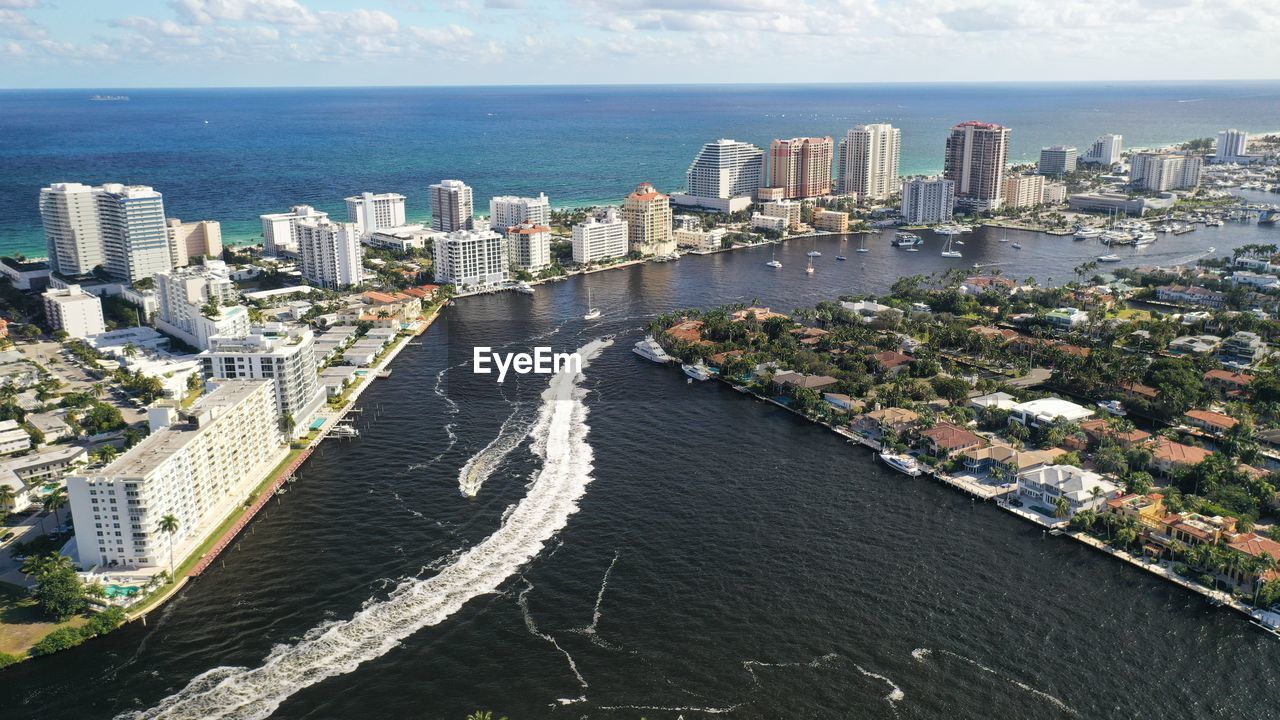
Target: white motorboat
1115,407
1108,258
1016,246
906,239
592,311
904,464
1087,233
814,253
524,288
344,431
649,349
697,371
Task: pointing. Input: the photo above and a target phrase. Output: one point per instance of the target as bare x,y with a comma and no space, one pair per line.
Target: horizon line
784,84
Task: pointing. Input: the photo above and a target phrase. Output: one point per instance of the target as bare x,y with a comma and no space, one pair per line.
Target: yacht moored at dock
904,464
649,349
697,371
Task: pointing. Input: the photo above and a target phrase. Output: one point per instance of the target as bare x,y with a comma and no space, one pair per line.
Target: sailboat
814,252
947,252
593,312
810,268
773,262
863,246
841,255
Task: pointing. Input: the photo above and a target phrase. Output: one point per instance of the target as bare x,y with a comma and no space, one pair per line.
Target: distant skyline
245,43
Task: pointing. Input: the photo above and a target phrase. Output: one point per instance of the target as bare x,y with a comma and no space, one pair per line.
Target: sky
224,43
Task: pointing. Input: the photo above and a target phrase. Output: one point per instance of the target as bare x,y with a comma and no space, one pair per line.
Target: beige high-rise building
802,166
648,216
977,154
1022,191
193,240
869,159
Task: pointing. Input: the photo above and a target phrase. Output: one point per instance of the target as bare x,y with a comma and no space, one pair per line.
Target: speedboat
904,464
1016,246
841,257
697,371
814,253
524,288
1108,258
966,228
1113,406
649,349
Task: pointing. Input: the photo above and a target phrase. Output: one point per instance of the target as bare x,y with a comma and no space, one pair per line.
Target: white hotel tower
508,211
724,177
373,212
332,256
121,227
869,160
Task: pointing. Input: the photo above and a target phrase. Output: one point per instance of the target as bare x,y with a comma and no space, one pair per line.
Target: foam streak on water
895,692
340,647
921,653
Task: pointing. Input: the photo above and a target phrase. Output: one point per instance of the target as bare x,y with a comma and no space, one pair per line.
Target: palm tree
1061,508
1261,565
8,497
169,525
54,502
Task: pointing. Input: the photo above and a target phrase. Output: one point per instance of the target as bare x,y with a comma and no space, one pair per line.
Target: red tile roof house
875,423
1167,455
1097,430
891,361
689,331
1228,381
1002,335
789,381
1254,545
1210,421
1138,391
944,440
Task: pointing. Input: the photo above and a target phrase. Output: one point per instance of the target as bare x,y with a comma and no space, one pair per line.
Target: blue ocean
233,154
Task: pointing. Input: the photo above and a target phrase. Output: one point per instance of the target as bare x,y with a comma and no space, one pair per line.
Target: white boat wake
895,693
483,464
921,653
338,648
818,662
523,602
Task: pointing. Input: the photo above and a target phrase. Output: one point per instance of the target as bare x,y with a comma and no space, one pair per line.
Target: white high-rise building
869,160
71,228
184,295
135,237
284,358
198,465
1161,171
332,256
507,211
120,227
373,212
451,206
600,238
926,201
530,246
1057,160
471,259
724,177
1105,151
74,311
280,230
1233,146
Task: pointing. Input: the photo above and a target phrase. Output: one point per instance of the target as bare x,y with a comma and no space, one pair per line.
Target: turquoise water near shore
233,154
